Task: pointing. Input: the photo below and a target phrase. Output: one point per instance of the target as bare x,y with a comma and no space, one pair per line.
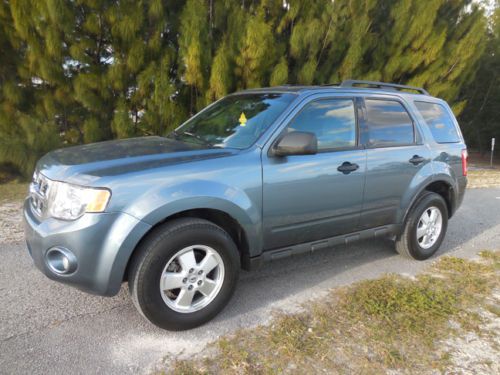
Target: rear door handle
347,167
416,160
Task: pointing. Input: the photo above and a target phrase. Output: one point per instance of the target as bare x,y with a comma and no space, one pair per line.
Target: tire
179,244
411,243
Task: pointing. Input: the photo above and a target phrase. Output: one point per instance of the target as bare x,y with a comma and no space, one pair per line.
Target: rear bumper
462,185
101,243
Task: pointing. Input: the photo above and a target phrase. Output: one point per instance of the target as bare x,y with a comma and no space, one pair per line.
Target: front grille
39,194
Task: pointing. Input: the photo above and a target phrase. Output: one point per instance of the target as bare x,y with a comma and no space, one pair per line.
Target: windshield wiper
178,135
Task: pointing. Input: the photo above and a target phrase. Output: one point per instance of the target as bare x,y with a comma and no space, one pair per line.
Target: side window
332,121
387,124
439,122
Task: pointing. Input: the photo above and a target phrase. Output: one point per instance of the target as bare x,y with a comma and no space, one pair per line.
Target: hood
86,163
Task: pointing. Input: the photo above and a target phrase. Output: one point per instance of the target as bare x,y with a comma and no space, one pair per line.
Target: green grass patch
14,190
371,327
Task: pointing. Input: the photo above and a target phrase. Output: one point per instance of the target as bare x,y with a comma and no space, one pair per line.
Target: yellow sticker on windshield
242,119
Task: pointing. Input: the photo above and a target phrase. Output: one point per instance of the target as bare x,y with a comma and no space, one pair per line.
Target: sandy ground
476,352
11,229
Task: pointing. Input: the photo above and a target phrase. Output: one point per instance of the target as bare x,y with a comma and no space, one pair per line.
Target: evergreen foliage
481,117
75,71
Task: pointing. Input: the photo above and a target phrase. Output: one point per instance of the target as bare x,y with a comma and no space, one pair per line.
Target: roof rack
382,85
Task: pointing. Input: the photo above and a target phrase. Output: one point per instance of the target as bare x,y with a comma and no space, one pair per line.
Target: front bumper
102,244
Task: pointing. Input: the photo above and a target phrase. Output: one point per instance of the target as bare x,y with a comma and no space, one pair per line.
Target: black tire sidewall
159,252
429,200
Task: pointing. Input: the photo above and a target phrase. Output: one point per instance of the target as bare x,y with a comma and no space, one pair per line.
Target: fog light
61,261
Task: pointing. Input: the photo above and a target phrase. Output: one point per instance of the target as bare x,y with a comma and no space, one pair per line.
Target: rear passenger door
395,154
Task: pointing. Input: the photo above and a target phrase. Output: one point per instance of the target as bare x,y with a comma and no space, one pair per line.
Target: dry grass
483,178
372,327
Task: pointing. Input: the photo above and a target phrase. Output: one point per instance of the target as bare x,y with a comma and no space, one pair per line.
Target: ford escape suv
257,176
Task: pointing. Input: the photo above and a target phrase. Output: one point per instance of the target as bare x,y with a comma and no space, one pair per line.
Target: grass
483,178
480,174
13,190
476,159
391,323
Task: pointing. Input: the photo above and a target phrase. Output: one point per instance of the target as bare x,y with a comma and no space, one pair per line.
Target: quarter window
387,124
333,121
439,122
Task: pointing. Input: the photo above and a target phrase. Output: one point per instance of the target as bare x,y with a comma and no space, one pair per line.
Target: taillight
465,156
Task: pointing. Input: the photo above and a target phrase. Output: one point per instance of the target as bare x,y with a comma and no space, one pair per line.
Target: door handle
416,160
347,167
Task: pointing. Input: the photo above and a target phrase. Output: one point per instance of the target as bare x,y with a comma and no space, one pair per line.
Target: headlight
69,202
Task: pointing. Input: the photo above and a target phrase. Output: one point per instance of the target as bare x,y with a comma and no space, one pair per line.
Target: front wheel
425,228
184,273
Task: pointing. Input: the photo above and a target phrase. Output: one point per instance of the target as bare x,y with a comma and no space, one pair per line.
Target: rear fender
421,181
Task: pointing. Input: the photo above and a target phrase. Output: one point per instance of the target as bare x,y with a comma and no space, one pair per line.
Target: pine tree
90,70
256,57
480,120
221,73
194,50
27,124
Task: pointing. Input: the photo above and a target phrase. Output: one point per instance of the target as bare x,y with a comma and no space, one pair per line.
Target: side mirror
296,143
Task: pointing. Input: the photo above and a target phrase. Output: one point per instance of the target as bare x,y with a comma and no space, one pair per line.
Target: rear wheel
184,273
425,228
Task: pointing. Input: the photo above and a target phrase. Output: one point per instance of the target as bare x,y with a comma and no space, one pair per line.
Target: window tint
332,121
387,124
439,122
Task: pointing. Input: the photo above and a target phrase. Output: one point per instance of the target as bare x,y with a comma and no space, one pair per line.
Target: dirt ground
11,229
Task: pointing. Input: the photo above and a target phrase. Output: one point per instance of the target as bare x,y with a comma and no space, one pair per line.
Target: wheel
184,273
424,228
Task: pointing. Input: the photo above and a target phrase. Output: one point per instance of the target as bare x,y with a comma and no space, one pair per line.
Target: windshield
236,121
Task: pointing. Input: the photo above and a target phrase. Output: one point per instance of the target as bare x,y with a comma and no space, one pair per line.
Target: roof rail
382,85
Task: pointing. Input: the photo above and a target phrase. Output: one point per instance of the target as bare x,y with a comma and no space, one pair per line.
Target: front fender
162,202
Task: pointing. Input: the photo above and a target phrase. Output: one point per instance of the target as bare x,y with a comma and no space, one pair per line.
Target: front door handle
416,160
347,167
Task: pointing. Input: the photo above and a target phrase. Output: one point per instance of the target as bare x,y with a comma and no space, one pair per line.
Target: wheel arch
223,220
443,187
446,191
216,216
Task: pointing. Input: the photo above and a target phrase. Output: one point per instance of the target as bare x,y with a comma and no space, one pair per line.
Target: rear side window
439,122
387,124
333,121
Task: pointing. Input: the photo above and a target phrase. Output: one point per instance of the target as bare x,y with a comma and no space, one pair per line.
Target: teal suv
257,176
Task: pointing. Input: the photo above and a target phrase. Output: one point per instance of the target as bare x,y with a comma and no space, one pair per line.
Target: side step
310,247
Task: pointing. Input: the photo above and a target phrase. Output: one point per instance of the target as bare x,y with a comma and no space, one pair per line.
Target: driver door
312,197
